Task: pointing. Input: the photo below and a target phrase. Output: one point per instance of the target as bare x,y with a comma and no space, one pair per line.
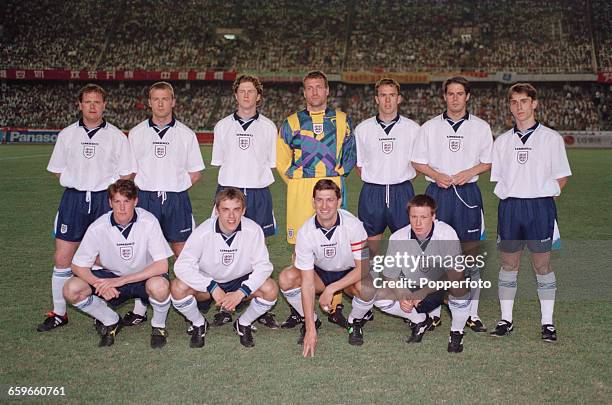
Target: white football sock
547,288
256,308
188,306
160,312
98,308
59,278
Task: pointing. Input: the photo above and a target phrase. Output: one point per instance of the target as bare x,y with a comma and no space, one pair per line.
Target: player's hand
109,293
462,177
231,300
443,180
325,300
310,342
218,295
408,305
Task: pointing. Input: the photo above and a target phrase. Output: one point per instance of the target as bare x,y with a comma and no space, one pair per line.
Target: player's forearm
351,278
358,170
195,177
480,168
58,175
308,297
154,269
84,273
562,182
426,170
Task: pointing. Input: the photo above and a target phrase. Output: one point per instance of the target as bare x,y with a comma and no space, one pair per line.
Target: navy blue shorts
75,213
526,221
258,208
127,291
377,209
467,222
230,286
431,302
172,210
328,277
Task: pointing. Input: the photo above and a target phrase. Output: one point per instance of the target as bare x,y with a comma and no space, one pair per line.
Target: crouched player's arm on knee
84,273
157,268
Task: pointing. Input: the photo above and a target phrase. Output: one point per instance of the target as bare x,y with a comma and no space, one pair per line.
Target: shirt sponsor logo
89,151
522,156
227,259
387,146
126,252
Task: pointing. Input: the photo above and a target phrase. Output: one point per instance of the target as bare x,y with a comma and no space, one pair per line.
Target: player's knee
75,290
289,278
62,260
541,268
269,290
158,288
179,289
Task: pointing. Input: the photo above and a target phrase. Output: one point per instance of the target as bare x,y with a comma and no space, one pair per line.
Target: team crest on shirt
454,144
160,151
126,252
227,259
64,228
244,142
317,128
89,151
522,156
329,252
387,146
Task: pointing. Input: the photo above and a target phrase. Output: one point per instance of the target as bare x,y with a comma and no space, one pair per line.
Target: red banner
604,77
121,75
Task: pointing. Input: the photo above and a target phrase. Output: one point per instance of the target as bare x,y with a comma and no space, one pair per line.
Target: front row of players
226,260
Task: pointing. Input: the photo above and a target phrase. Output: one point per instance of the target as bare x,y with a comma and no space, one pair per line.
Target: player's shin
160,312
188,306
294,298
547,288
97,308
256,308
460,311
360,308
59,278
393,308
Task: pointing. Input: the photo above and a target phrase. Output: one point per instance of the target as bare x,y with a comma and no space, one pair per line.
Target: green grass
519,368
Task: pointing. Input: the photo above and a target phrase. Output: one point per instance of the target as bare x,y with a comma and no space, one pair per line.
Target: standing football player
314,143
531,168
169,162
384,151
452,150
88,156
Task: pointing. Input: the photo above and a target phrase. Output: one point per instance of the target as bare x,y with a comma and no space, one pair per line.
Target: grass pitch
517,369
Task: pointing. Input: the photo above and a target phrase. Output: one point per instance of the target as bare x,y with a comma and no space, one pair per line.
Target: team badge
387,147
454,144
64,228
227,259
89,151
329,252
126,252
160,151
522,156
317,128
290,233
244,142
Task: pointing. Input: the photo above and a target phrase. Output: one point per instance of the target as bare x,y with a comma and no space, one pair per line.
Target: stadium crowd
200,105
283,36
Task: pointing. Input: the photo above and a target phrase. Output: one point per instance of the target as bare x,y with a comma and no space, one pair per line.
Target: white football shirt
164,160
449,152
530,169
334,249
245,150
210,256
126,250
385,155
91,160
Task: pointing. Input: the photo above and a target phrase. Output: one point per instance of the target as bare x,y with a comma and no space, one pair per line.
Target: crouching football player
427,240
330,252
133,255
225,258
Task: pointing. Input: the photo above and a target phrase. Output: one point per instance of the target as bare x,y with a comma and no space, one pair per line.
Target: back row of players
123,255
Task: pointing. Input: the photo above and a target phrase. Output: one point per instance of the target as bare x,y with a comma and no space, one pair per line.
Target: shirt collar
528,130
171,124
102,125
319,226
465,117
218,228
253,118
114,223
394,120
